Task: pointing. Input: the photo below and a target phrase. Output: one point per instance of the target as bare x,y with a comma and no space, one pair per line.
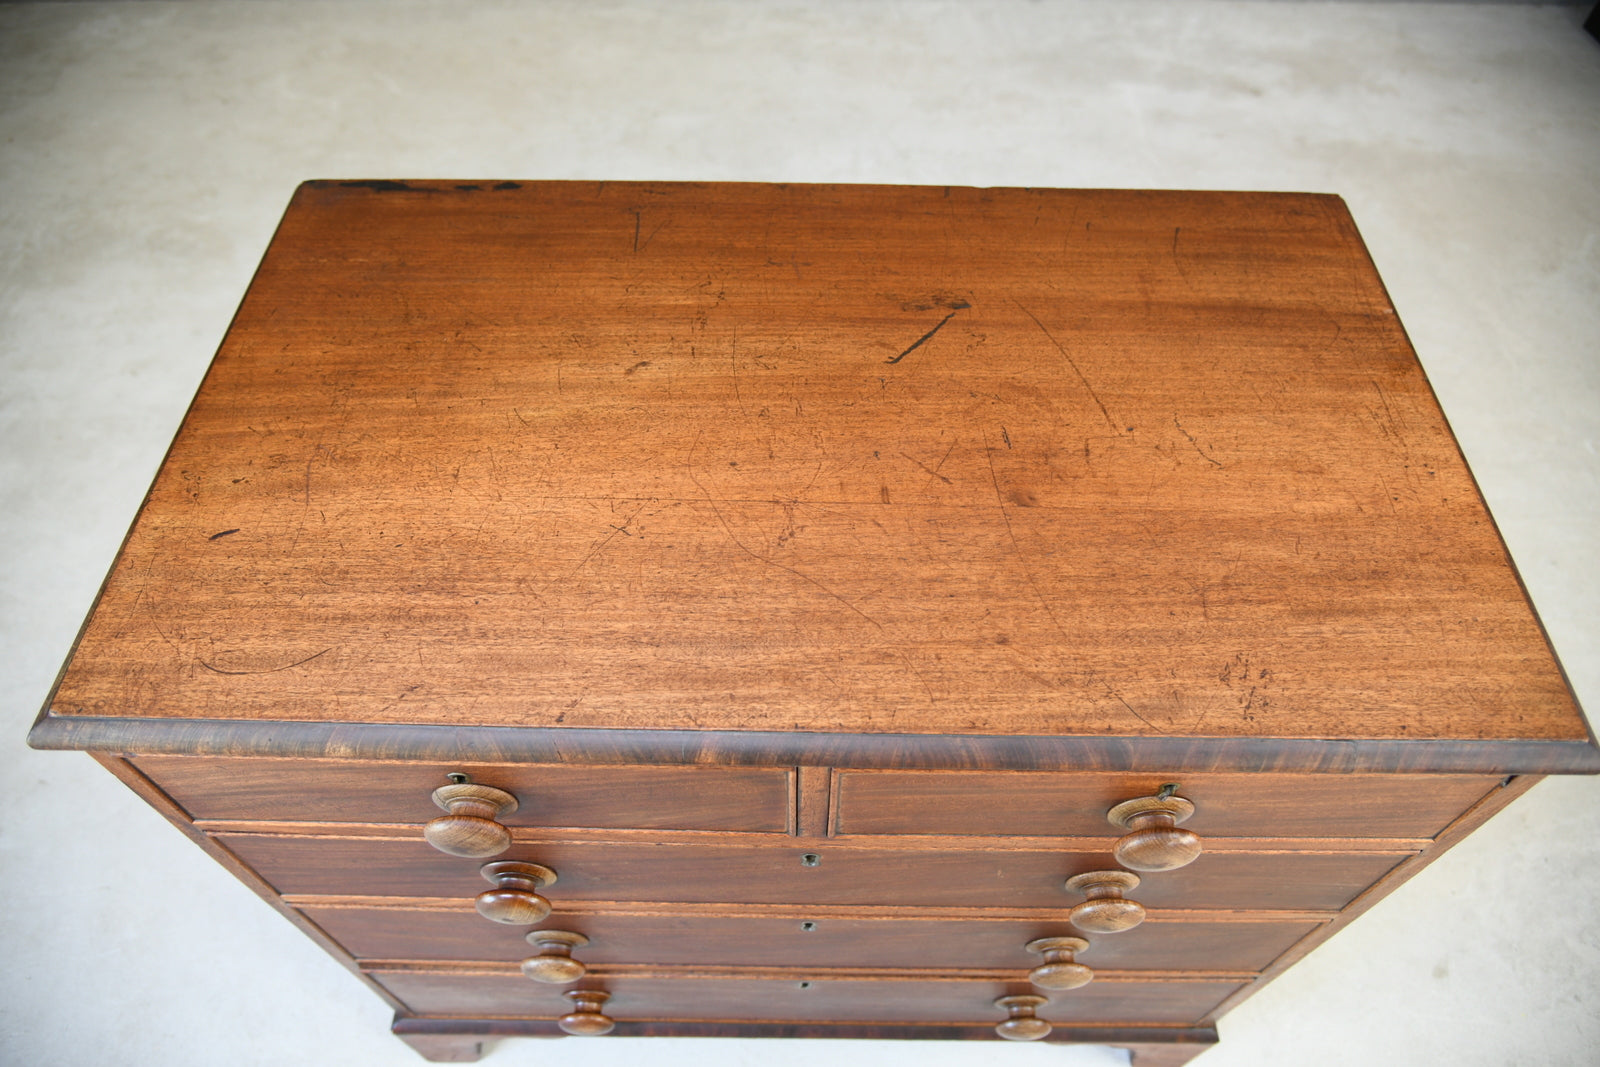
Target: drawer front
714,874
1028,803
750,799
806,1000
757,941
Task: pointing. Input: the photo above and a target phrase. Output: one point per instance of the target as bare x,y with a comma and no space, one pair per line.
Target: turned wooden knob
1156,843
1105,912
554,963
515,900
470,829
1059,971
1023,1024
586,1019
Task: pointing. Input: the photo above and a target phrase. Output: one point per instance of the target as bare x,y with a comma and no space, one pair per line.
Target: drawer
760,940
1068,804
751,799
716,874
806,1000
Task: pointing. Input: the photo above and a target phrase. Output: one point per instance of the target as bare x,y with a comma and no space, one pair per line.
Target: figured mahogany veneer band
421,741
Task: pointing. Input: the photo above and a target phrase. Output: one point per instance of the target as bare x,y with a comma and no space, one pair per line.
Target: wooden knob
470,829
554,963
514,900
1023,1024
1059,971
1105,912
1156,843
586,1019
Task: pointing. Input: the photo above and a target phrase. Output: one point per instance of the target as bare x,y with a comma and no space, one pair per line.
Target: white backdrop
148,149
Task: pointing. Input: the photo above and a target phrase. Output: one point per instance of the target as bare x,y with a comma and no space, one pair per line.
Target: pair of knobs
555,965
1153,843
471,830
1058,971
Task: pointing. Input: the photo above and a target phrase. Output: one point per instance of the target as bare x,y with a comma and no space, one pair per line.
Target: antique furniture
816,610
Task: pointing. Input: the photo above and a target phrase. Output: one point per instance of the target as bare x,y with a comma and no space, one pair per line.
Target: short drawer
1069,804
750,799
510,995
757,874
801,941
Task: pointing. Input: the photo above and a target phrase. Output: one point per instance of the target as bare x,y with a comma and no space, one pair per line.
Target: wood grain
1189,1041
1163,755
753,1000
708,873
378,933
817,565
1256,805
891,460
746,799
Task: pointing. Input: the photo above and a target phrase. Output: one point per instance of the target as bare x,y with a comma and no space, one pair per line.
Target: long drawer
399,933
509,995
697,872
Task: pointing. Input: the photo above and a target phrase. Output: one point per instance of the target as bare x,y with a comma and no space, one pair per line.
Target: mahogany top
846,460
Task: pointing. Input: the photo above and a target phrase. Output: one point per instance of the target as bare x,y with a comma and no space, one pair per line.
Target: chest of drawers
771,598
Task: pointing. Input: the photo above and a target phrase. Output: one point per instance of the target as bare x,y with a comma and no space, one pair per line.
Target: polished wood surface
587,1017
709,873
515,898
1163,755
1106,910
469,827
1229,805
834,584
1022,1022
1059,969
1234,942
1154,841
554,964
958,1001
751,799
1190,1040
917,460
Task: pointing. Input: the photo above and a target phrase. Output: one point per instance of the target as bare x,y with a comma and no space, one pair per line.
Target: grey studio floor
149,147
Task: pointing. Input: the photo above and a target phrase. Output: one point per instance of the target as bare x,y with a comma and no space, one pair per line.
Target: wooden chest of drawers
782,584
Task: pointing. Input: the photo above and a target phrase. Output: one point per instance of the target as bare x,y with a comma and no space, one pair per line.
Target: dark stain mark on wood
635,367
269,670
503,186
220,534
919,342
1004,436
388,186
937,300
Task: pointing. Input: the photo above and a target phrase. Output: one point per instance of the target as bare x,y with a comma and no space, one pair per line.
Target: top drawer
750,799
1070,803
